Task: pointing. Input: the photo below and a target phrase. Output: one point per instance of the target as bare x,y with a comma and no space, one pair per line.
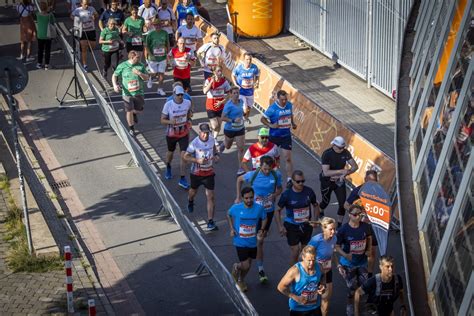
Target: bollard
68,265
91,304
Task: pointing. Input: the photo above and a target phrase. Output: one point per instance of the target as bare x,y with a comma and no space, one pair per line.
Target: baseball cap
204,127
178,90
339,142
263,132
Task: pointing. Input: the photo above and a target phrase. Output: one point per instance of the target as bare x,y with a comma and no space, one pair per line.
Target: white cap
178,90
339,141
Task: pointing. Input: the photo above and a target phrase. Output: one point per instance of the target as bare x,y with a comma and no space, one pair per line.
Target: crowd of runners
156,38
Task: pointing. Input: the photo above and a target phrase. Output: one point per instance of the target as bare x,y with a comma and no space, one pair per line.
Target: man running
234,127
115,13
182,60
279,118
184,8
157,47
354,241
211,54
301,206
191,34
243,220
263,147
167,20
333,174
176,115
267,185
383,290
133,74
186,95
246,76
370,175
202,153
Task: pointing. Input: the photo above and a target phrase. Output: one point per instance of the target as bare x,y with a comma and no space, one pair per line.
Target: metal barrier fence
208,258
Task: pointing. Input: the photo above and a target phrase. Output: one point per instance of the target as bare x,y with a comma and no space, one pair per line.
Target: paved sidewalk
366,111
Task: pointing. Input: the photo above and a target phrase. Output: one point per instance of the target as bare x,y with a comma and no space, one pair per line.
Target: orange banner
316,128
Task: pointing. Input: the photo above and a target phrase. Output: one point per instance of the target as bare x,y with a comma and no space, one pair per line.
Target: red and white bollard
68,265
91,304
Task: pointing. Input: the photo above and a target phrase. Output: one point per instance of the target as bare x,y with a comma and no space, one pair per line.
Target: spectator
44,19
27,29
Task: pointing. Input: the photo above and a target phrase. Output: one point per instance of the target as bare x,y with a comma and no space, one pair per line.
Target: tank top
306,286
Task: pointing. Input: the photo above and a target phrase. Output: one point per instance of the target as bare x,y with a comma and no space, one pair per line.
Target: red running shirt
217,93
182,67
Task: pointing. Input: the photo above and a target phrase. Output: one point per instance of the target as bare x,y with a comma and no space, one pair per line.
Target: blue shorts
283,142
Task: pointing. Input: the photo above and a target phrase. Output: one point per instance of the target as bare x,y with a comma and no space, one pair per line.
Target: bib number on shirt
239,124
88,25
159,52
247,231
133,85
301,215
137,41
284,122
357,247
181,63
325,264
264,201
247,83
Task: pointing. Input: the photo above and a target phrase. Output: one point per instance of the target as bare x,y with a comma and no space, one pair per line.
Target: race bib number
284,122
357,247
264,201
159,52
206,166
88,25
190,40
238,124
114,46
301,215
133,85
211,61
181,63
247,231
247,83
137,41
325,264
310,292
218,93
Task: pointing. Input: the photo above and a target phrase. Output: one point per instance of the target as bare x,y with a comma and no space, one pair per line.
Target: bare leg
295,251
182,165
240,142
289,162
325,301
210,203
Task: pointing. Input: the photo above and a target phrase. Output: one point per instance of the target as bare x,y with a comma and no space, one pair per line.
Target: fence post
68,265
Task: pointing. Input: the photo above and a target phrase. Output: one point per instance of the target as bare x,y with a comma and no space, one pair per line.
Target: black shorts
213,114
296,234
207,181
137,48
328,277
88,36
284,142
172,141
313,312
232,134
186,82
136,103
269,222
244,253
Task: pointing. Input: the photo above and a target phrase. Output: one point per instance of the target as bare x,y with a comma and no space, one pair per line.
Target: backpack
203,60
255,174
378,287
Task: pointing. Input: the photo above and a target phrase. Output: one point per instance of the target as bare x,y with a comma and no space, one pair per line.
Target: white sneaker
161,92
30,58
20,58
149,84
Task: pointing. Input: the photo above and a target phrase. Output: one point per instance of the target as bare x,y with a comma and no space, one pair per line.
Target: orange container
258,18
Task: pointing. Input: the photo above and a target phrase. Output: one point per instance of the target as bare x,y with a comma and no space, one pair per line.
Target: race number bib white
247,83
114,46
211,60
133,85
218,93
137,41
181,63
238,124
284,121
264,201
247,231
159,52
301,215
357,247
325,264
88,25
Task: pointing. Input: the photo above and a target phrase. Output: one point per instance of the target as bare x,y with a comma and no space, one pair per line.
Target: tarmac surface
148,250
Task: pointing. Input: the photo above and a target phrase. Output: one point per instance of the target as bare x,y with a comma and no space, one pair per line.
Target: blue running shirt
246,78
245,223
264,185
281,116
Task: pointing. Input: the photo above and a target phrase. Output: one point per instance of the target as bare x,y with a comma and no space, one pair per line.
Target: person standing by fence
45,20
27,29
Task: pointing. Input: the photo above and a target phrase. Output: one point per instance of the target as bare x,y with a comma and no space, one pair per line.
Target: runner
301,284
147,11
333,174
243,220
156,49
211,55
301,206
325,243
168,20
110,41
183,9
353,244
267,185
191,34
133,27
234,128
132,73
115,13
202,153
279,118
246,75
177,114
182,60
216,89
383,290
370,175
186,96
263,147
84,28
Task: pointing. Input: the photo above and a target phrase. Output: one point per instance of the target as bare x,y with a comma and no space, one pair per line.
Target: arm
333,173
115,83
279,221
208,85
354,166
293,124
341,252
257,81
189,158
142,75
234,80
230,220
245,160
238,186
267,123
285,283
101,25
316,211
165,120
357,296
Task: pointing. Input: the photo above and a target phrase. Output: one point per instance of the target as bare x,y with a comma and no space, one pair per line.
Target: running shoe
190,206
20,58
183,183
242,286
240,172
149,84
86,68
30,58
161,92
135,118
168,174
47,67
262,277
211,225
131,132
235,272
39,66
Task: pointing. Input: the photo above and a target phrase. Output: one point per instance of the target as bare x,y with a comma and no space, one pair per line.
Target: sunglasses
179,95
341,148
355,214
299,181
264,137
